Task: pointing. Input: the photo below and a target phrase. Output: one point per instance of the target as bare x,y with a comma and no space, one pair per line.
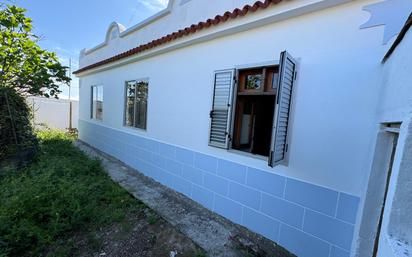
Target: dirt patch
144,235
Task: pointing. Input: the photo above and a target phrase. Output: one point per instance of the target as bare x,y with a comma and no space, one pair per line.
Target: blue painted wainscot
306,219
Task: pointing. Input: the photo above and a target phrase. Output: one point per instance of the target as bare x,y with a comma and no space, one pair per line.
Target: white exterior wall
334,102
395,100
339,98
395,105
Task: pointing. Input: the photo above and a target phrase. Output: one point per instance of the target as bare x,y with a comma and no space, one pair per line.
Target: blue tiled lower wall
306,219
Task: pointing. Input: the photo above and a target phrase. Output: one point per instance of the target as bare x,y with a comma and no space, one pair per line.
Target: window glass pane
136,104
93,111
130,100
99,103
275,80
254,81
141,104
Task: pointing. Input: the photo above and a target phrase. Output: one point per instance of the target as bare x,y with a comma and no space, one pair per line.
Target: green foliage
201,254
25,69
24,66
60,193
152,218
15,128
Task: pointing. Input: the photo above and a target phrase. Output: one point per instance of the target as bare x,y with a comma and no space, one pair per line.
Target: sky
67,26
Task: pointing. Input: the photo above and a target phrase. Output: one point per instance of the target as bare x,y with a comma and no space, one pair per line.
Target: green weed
200,254
152,218
60,193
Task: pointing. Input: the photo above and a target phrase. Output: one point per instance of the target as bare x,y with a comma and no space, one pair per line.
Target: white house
278,115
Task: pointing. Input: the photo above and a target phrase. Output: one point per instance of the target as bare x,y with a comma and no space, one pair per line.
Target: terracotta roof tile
259,5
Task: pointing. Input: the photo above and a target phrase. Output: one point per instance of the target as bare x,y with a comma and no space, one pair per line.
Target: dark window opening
255,105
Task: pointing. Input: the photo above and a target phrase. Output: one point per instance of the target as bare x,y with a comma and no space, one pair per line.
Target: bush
16,132
62,192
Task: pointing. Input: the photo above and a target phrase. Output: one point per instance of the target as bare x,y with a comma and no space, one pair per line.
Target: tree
24,66
25,69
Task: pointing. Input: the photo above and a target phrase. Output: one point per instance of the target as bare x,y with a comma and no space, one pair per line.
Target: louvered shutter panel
221,108
287,70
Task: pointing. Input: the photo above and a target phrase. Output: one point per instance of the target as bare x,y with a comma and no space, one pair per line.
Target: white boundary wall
54,113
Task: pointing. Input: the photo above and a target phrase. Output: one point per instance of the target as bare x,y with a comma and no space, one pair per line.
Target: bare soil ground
145,235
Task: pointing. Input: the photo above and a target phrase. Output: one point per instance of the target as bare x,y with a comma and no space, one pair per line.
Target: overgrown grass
60,193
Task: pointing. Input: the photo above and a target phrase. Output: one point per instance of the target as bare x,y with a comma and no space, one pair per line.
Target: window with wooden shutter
286,81
220,115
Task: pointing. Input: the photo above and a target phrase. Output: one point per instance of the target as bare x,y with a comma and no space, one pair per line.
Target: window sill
255,156
134,129
96,120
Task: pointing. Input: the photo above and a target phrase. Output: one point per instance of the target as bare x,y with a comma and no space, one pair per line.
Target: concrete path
215,234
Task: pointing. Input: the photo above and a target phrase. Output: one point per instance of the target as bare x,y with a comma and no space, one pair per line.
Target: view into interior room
254,113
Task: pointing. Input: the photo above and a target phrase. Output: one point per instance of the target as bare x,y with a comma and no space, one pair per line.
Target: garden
64,204
55,200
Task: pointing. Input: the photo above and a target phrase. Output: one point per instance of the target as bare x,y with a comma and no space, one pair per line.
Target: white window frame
125,104
93,115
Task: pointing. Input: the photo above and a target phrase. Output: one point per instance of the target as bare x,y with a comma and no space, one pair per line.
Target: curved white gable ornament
391,14
114,31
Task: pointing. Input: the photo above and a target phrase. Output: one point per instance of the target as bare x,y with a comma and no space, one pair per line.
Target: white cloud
154,5
144,9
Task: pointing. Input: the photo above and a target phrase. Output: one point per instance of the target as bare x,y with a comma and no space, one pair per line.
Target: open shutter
221,108
287,75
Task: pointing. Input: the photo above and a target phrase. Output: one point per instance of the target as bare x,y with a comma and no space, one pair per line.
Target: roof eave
399,38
